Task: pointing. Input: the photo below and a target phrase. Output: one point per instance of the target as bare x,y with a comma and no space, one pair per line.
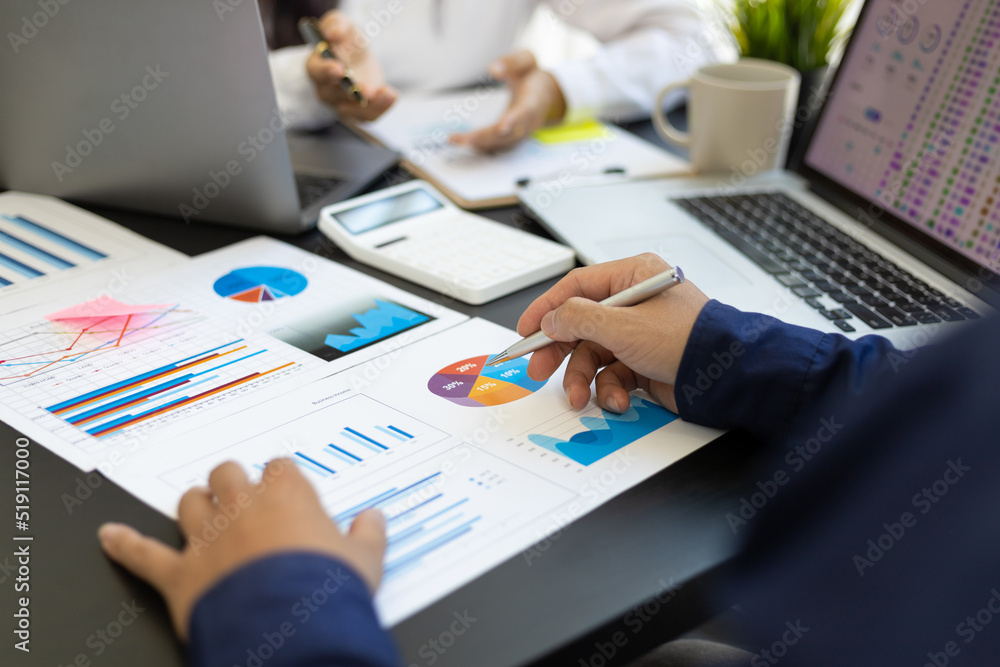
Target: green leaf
802,33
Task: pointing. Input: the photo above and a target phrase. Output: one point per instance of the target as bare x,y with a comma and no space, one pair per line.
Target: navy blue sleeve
884,549
752,371
291,609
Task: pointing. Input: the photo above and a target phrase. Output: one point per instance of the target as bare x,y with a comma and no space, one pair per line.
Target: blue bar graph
340,457
365,434
365,437
121,403
413,557
419,526
186,385
55,237
344,452
35,251
64,405
364,443
316,463
404,513
19,267
367,443
143,396
418,532
391,434
419,520
383,497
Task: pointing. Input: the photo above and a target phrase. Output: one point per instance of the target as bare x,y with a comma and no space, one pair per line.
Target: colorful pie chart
474,384
255,284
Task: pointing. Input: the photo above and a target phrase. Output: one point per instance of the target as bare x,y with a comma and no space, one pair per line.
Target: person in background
436,45
877,547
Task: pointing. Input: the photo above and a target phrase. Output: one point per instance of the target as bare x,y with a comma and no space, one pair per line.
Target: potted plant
805,34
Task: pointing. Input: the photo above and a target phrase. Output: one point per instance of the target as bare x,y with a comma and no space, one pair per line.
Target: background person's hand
234,522
350,46
638,347
535,99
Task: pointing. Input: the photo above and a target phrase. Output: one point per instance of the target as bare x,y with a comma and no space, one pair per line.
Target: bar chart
124,376
30,250
351,446
340,441
163,390
420,518
444,516
449,506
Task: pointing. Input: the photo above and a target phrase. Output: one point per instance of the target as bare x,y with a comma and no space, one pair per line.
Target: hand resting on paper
281,513
536,100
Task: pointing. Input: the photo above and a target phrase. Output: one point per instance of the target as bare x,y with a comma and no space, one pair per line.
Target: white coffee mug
740,116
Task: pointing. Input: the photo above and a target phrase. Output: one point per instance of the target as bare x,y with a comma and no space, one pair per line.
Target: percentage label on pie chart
474,384
255,284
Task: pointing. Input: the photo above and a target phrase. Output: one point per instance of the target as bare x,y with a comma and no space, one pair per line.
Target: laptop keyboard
815,259
313,188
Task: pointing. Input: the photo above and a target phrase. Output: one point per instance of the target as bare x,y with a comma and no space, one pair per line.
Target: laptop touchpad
701,266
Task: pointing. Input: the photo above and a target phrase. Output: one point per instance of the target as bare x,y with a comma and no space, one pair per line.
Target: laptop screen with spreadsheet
912,123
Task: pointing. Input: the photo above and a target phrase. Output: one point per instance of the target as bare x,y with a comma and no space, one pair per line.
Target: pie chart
474,384
260,283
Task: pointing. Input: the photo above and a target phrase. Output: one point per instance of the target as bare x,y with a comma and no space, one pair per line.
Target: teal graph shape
607,434
384,320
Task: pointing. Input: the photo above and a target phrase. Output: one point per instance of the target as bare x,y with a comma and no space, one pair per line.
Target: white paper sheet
49,247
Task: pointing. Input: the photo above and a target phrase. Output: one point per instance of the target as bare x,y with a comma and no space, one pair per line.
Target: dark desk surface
624,578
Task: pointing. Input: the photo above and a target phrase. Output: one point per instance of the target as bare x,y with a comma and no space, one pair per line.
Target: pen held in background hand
309,29
628,297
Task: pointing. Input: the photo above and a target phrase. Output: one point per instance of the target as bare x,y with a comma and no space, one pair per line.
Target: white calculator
415,232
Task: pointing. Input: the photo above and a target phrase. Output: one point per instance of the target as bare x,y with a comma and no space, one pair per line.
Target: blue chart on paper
386,319
31,250
260,283
421,517
607,434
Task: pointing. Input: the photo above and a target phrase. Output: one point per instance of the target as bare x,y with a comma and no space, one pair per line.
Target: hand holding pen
619,348
345,74
629,296
309,28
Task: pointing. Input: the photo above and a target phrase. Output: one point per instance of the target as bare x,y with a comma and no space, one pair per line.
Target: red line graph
74,353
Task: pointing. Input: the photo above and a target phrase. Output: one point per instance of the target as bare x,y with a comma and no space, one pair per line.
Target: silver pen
628,297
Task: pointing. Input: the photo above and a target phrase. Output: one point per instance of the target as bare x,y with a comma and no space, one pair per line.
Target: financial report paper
382,399
47,244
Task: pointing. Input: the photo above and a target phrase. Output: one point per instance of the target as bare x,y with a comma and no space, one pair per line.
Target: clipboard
418,126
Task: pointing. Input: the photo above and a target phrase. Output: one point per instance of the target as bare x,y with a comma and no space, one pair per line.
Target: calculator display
403,206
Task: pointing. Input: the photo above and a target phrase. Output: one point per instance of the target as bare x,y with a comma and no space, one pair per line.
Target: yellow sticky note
570,132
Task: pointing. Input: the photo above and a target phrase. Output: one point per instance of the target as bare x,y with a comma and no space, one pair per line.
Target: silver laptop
889,224
166,107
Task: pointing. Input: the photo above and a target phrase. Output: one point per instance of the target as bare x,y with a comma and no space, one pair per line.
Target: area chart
593,436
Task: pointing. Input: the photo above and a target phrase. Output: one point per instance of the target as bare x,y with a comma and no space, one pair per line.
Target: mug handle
663,125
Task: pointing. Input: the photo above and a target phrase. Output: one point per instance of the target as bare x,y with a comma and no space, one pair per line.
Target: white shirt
428,45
